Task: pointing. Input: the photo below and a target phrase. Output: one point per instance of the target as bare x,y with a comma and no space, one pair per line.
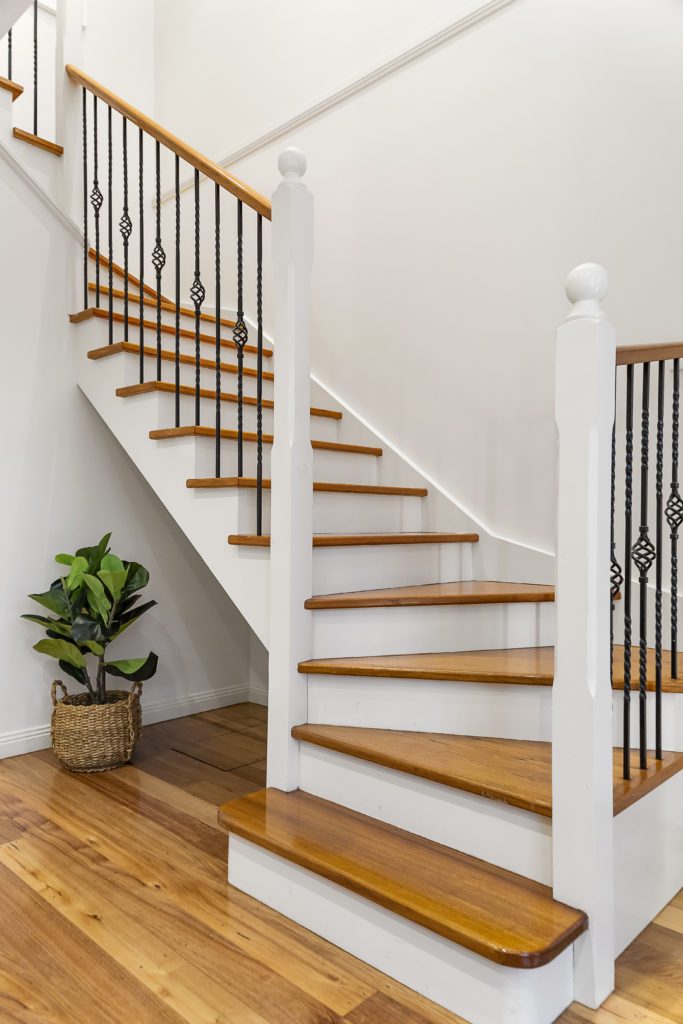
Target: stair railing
10,62
619,516
98,109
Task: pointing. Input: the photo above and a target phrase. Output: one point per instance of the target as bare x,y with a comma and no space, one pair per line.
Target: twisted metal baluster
96,199
158,257
197,293
259,375
177,291
217,217
141,298
35,67
674,518
240,336
616,578
110,223
644,555
85,199
9,55
659,565
126,227
628,534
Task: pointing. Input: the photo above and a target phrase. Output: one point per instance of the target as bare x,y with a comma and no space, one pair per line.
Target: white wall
451,200
67,482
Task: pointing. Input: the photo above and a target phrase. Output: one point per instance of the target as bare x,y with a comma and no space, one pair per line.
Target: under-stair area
475,749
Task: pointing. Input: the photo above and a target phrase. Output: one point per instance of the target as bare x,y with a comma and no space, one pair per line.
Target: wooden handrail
207,167
630,355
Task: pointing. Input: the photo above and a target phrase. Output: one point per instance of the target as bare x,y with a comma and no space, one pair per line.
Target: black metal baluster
85,199
158,257
616,578
35,67
239,335
197,294
259,375
674,517
177,291
126,227
110,223
9,55
658,567
217,196
141,157
96,198
628,533
643,557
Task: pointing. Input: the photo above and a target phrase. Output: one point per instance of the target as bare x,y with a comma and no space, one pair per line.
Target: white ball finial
292,163
586,287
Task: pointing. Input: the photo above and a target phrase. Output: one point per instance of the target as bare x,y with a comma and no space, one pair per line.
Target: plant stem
101,681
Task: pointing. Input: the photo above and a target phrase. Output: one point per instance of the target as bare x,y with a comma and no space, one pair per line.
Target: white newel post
583,861
291,495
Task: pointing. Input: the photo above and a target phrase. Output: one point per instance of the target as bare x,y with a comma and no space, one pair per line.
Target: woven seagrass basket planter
95,737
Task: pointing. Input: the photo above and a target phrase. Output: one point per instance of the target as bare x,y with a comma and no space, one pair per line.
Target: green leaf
95,554
113,574
60,629
42,620
85,629
55,600
75,578
136,669
94,647
79,674
62,650
98,602
138,577
64,559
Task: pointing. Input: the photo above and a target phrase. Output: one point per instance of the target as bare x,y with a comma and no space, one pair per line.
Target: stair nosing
399,597
132,390
322,540
406,900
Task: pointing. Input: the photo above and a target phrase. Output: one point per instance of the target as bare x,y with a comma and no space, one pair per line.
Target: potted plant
92,605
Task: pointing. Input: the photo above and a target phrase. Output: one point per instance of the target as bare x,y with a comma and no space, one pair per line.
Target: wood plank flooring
115,907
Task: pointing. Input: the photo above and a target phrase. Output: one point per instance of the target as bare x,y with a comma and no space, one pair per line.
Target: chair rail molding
358,85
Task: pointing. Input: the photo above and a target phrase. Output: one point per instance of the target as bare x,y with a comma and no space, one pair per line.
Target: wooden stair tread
499,915
532,666
340,540
470,592
212,482
165,433
517,772
36,140
10,86
147,387
93,313
168,356
120,272
166,304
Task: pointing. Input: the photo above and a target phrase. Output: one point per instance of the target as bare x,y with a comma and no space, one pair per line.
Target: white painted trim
24,741
66,221
358,85
426,476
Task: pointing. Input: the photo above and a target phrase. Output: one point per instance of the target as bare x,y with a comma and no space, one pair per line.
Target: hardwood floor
115,908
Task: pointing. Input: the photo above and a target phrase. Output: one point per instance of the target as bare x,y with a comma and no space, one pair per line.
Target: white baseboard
24,741
258,694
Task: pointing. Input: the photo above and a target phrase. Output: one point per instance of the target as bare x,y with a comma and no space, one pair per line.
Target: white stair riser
448,974
322,427
393,565
507,836
350,632
672,720
346,512
428,705
337,467
207,377
95,332
515,712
